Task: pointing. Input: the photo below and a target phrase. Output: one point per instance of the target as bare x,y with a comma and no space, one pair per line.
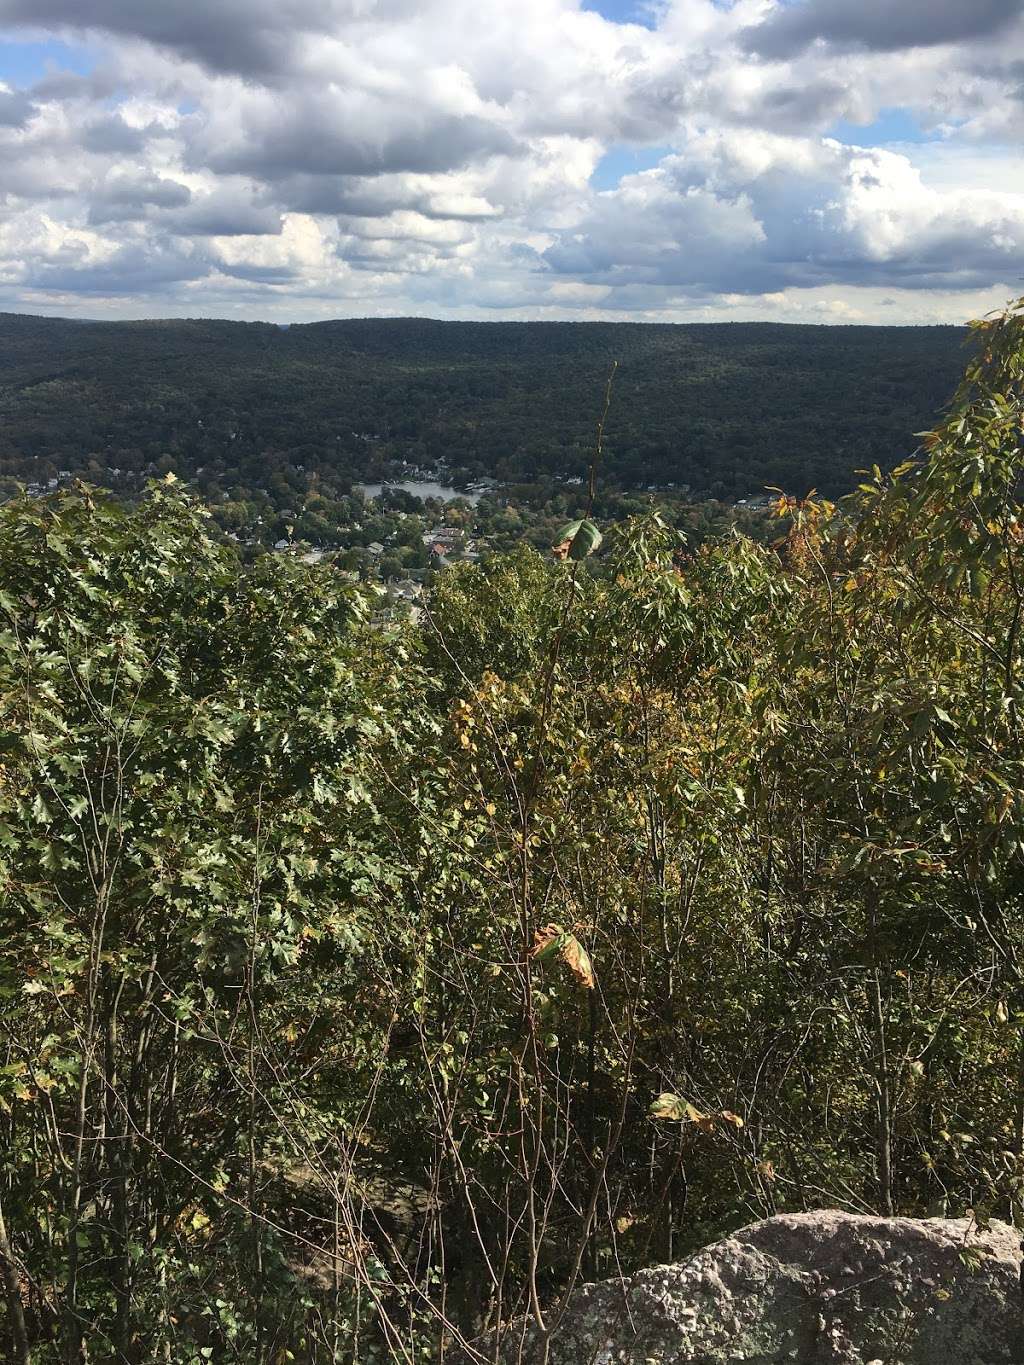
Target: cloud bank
793,159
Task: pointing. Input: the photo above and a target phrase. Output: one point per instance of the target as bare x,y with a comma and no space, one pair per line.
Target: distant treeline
239,408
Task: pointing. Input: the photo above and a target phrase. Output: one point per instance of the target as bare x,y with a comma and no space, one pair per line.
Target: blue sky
624,11
619,161
890,125
23,62
824,160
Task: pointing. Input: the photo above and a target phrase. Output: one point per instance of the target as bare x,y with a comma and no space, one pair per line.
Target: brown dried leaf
554,939
577,959
546,941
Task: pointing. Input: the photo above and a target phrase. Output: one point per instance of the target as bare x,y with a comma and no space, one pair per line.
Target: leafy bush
361,990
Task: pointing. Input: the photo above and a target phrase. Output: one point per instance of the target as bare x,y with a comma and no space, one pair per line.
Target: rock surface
806,1289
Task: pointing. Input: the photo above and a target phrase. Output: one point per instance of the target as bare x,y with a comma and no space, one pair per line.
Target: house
410,587
390,617
443,535
404,590
375,548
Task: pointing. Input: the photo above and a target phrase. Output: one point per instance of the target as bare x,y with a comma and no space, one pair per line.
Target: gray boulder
805,1289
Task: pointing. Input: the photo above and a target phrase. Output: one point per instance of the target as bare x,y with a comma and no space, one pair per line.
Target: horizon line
478,322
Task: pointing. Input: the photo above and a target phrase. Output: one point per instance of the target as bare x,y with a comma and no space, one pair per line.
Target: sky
836,161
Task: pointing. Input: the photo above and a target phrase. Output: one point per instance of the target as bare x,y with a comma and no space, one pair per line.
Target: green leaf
577,539
675,1109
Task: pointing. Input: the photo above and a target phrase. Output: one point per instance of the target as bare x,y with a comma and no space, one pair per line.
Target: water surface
420,488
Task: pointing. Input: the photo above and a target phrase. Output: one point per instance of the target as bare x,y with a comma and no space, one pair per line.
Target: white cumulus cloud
843,159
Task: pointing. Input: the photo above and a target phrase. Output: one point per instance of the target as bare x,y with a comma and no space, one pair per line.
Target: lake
419,488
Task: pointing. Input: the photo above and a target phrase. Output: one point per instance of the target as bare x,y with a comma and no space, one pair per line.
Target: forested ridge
724,409
362,992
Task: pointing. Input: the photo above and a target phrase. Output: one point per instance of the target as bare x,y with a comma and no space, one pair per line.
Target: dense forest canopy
361,992
724,409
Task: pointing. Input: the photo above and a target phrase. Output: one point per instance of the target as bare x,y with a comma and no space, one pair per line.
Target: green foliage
360,990
577,539
267,421
190,865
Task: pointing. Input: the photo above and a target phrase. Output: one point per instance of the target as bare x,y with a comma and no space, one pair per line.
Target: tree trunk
883,1141
12,1295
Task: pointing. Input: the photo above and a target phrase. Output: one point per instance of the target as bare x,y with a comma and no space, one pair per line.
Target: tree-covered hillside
362,991
726,409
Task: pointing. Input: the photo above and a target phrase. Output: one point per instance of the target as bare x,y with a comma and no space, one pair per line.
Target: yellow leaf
666,1106
676,1109
551,939
578,961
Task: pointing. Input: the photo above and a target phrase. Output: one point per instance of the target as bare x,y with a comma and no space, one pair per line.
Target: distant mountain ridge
724,408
